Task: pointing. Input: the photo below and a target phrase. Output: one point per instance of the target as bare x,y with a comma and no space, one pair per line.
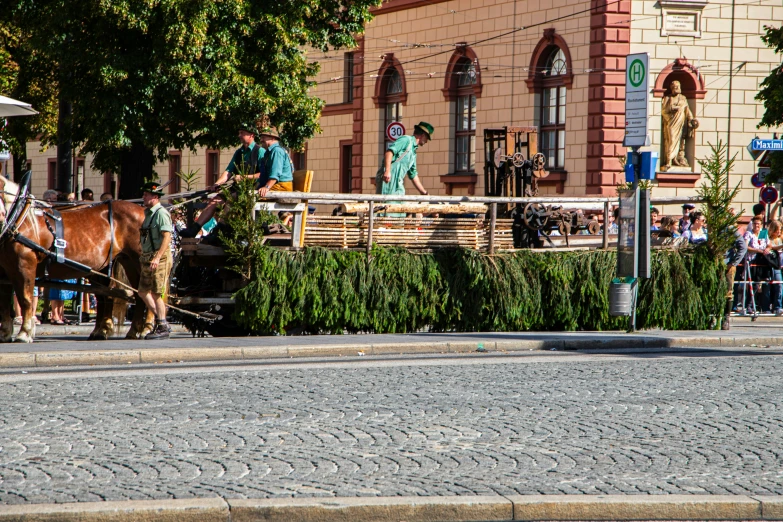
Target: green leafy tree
771,88
24,76
771,93
146,76
718,197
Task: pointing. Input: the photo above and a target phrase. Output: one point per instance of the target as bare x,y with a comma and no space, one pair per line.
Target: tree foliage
718,197
173,74
326,291
771,88
24,76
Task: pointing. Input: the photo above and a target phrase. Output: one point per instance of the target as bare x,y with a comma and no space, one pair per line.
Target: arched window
553,110
463,87
550,77
390,93
465,128
392,110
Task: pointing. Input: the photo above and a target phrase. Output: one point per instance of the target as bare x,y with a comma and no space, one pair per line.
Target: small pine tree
243,242
718,196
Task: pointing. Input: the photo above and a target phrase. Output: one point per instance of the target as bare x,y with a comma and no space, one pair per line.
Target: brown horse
89,242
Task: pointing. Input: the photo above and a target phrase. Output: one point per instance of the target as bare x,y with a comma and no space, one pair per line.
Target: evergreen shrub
335,291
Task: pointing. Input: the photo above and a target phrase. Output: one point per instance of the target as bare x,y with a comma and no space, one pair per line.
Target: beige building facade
469,65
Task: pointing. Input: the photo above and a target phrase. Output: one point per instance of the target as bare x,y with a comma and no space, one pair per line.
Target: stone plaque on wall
681,18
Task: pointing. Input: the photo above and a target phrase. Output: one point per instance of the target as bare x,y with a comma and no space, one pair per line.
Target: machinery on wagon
513,167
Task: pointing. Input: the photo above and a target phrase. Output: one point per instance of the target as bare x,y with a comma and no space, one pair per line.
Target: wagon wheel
535,216
564,228
518,159
593,227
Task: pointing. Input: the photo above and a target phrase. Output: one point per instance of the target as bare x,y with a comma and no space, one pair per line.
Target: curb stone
410,509
240,353
372,509
172,510
641,507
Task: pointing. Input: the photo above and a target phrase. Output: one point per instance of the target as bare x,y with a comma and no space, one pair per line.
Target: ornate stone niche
679,122
681,17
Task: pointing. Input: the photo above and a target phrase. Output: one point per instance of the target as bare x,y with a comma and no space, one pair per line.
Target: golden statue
678,124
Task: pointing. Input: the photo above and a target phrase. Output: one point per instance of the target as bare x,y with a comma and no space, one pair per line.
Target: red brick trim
610,36
389,62
535,78
450,85
677,179
400,5
459,180
337,108
357,155
691,80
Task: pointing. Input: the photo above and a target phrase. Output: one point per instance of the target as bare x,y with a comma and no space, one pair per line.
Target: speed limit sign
395,130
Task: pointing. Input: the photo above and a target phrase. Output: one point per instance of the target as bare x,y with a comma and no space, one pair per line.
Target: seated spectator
87,195
106,196
696,233
685,221
50,196
669,227
654,213
613,220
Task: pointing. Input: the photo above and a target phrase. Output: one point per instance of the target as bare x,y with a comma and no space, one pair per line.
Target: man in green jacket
248,160
400,160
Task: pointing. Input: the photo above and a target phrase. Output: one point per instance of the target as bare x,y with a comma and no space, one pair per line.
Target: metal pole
606,226
731,77
493,217
370,225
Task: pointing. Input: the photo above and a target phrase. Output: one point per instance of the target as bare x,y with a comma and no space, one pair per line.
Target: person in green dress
400,160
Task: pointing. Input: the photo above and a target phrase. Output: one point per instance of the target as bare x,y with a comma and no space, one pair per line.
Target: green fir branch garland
317,290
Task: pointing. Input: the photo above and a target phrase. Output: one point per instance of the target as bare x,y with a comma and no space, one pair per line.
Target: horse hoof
98,336
23,339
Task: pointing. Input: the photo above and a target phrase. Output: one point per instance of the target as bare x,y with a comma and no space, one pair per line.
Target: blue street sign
767,145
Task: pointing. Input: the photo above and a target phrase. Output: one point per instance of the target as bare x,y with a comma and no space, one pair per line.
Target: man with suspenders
156,258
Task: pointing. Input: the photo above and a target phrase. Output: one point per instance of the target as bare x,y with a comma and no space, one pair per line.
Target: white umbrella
11,107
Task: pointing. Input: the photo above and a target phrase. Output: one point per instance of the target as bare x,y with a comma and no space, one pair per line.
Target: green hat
153,187
424,127
269,131
247,128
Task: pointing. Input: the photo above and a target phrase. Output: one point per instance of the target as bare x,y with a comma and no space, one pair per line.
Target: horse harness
18,213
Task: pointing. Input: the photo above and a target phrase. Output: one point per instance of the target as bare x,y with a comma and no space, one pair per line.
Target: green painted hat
153,187
424,127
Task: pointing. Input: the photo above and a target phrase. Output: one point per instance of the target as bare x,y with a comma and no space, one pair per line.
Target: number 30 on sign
395,130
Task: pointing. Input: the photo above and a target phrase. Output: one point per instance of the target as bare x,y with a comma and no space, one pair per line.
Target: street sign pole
637,91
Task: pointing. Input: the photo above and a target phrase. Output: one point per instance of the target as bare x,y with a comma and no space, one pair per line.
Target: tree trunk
137,163
64,148
19,163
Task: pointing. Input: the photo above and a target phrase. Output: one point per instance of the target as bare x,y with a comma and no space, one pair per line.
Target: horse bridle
19,207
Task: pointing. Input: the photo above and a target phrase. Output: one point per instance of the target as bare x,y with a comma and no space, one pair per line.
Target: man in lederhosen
155,258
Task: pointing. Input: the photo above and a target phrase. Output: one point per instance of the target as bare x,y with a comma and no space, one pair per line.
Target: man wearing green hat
400,159
155,257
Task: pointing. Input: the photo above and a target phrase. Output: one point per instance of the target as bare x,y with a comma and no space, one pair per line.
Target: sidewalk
68,346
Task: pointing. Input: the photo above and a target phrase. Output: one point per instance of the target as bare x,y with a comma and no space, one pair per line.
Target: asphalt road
538,424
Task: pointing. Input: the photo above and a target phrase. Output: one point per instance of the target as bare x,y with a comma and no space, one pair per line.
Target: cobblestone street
636,425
